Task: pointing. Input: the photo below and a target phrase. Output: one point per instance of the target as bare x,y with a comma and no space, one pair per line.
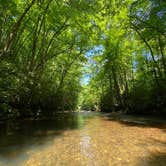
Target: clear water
76,139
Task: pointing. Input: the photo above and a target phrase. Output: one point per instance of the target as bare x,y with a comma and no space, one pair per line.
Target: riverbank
142,119
136,118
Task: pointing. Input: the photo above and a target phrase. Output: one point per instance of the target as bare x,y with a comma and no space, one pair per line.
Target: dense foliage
45,46
129,72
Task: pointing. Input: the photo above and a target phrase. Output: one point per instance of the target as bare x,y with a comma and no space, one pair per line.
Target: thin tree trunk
12,36
151,52
162,55
117,89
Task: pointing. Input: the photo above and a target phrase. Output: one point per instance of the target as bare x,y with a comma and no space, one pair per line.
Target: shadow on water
17,136
154,159
157,158
138,120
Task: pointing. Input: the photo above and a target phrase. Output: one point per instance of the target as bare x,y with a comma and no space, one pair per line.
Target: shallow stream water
82,139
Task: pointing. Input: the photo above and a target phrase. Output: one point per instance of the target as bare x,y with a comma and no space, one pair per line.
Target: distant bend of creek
82,139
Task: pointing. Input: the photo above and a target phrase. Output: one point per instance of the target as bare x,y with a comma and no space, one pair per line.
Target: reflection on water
16,137
79,139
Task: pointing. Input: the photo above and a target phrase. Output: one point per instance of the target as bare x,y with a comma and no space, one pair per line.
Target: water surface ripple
82,139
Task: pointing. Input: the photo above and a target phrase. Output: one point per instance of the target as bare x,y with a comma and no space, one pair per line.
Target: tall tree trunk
13,34
116,85
162,55
152,54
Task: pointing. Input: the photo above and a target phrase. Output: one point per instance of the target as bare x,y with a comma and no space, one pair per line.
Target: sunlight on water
82,139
